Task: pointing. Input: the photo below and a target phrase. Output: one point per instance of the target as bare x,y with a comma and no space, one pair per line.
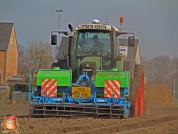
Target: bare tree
38,53
21,51
148,69
174,71
21,59
161,70
174,68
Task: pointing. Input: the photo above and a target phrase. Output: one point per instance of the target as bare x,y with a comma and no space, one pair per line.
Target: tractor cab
92,47
93,51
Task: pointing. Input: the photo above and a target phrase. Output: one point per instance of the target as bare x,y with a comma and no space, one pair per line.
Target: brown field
160,119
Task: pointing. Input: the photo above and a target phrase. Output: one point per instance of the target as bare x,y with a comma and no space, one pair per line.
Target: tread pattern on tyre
135,82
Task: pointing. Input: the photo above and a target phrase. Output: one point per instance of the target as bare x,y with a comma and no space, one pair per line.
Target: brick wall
12,56
2,54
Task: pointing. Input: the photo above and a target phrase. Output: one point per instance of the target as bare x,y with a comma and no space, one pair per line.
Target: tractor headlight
92,78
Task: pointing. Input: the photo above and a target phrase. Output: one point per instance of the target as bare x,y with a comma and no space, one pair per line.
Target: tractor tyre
135,91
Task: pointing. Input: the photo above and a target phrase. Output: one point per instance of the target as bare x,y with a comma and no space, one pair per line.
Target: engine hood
92,59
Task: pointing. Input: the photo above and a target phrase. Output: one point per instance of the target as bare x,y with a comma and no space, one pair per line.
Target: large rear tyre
134,85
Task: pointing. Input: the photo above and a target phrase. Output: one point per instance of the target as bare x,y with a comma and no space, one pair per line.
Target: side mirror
53,39
131,40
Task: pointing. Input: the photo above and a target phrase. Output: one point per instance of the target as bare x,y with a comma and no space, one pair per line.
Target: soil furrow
160,120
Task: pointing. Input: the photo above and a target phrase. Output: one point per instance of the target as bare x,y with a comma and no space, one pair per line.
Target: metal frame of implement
68,106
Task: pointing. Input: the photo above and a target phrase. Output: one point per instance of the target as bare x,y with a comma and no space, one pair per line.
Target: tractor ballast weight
89,83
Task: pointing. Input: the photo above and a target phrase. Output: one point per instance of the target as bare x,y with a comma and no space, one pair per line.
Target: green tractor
96,74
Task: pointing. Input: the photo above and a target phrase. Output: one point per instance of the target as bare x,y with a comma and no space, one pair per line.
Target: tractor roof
97,26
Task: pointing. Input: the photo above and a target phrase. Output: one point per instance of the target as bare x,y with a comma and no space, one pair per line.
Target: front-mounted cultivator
57,96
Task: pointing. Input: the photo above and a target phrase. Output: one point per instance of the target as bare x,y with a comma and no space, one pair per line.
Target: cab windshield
93,43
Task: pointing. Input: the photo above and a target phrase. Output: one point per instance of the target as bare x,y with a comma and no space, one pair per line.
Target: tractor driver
98,46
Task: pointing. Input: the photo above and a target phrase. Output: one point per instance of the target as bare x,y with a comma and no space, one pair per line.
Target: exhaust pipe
71,47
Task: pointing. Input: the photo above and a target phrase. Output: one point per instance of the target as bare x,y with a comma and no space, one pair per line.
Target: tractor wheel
134,96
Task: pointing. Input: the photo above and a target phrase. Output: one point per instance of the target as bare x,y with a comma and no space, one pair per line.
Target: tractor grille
89,67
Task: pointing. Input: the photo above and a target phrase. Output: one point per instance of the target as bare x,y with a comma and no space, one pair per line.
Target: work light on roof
95,21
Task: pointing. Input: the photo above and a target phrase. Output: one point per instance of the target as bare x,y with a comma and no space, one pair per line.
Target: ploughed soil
160,119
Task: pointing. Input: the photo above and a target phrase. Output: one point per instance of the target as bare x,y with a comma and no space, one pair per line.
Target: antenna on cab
107,16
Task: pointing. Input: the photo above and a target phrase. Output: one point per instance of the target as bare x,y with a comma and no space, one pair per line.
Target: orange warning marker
49,87
112,89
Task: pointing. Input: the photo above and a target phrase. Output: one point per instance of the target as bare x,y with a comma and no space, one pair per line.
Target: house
8,51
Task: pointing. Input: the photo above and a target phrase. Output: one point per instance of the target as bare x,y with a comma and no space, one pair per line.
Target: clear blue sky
154,22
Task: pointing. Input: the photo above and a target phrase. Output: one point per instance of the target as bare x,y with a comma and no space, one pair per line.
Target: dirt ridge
162,119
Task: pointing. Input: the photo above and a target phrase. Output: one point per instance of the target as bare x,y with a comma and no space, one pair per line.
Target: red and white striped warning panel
49,87
112,89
